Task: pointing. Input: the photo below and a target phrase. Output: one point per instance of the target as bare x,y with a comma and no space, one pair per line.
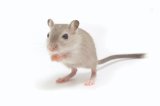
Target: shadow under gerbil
50,83
79,78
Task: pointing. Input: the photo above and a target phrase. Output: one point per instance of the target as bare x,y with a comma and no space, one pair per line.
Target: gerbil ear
73,26
50,23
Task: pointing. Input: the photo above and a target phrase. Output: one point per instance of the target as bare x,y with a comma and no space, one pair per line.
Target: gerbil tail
119,56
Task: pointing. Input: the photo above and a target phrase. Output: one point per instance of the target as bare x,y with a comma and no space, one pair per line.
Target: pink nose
53,48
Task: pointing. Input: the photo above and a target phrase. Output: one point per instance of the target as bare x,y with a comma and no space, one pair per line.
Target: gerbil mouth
53,52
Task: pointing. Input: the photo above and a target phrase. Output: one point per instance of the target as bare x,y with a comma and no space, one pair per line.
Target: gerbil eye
65,36
48,35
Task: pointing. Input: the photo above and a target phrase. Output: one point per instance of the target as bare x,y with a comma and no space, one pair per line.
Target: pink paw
89,83
61,80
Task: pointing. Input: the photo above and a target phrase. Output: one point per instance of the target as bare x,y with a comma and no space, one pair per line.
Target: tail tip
142,55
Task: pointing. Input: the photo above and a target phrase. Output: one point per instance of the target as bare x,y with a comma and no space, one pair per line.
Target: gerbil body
75,48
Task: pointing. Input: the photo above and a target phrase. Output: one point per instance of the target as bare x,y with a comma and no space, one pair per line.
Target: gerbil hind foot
91,81
68,77
62,80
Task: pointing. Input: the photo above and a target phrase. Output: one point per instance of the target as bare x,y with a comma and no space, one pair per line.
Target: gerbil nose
53,47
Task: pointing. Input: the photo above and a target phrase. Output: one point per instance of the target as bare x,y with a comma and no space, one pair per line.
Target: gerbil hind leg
69,76
91,81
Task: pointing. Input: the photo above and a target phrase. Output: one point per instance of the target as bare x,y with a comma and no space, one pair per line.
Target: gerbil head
62,37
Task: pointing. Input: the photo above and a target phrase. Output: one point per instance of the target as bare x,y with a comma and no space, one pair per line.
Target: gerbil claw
89,83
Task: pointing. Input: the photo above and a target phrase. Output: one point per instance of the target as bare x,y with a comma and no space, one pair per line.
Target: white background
27,76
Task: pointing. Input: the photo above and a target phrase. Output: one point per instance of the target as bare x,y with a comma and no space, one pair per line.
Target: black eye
48,35
65,36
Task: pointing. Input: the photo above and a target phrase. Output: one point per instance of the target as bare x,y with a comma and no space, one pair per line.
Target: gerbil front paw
56,58
89,82
62,80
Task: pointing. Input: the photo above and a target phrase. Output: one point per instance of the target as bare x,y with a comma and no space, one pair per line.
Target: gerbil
74,47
